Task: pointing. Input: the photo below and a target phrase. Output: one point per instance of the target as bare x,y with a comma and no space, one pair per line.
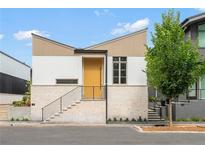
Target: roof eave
117,38
65,45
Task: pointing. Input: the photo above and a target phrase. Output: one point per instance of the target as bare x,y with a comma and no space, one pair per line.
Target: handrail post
82,90
93,92
61,107
42,115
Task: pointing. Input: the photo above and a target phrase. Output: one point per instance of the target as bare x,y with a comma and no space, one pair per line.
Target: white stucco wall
14,68
46,69
9,98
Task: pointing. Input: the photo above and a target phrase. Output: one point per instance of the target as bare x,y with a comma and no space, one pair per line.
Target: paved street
91,135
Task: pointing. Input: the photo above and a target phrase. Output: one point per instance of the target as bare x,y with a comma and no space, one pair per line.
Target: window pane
115,58
116,66
116,80
123,65
202,39
123,80
123,58
123,73
66,81
192,91
202,27
116,73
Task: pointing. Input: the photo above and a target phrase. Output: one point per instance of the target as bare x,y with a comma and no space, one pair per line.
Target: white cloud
25,35
1,36
201,9
103,12
130,27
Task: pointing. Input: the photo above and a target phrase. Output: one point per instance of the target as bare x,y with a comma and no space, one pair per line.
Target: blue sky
75,27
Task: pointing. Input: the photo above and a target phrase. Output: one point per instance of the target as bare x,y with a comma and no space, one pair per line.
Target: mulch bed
175,128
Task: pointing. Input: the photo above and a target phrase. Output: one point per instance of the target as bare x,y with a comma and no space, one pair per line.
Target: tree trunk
170,112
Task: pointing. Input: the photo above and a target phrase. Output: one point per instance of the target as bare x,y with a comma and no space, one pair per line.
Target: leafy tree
26,100
173,63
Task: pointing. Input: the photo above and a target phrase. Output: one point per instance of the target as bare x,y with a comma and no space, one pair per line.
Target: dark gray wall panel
12,85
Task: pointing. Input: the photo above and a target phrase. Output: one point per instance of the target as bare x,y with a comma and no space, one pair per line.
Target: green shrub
25,119
140,119
126,119
109,119
195,119
17,119
153,99
121,119
133,119
115,119
26,100
183,119
12,119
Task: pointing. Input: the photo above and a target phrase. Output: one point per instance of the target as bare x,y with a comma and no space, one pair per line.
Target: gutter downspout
106,88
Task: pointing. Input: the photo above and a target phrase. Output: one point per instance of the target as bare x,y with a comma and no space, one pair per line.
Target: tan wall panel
133,45
44,47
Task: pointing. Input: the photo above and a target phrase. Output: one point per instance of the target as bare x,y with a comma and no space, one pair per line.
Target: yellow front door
93,78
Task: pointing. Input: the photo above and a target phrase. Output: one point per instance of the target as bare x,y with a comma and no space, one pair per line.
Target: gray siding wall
190,110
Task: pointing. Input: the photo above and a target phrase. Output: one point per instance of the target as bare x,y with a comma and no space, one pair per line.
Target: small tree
173,63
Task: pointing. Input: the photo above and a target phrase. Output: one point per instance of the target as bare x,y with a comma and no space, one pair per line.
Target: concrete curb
40,124
138,129
174,132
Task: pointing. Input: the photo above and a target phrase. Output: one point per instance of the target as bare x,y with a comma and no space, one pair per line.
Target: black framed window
119,70
192,93
201,35
66,81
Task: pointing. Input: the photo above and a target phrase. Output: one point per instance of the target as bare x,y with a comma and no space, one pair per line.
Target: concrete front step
153,115
86,112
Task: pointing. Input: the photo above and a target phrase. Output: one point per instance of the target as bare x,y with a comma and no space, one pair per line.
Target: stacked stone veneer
123,102
127,102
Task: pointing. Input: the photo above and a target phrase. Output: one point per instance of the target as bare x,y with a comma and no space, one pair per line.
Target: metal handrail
61,96
60,104
58,107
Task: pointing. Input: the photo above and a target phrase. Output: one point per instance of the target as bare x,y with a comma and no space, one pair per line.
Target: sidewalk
40,124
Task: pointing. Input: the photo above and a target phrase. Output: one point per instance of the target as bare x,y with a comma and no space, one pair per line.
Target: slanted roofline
192,19
53,41
117,38
90,48
3,53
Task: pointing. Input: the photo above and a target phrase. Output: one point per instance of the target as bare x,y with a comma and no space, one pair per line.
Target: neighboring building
194,28
13,77
90,85
193,103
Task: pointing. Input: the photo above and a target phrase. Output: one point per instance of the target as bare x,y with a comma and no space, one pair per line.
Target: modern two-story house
90,85
194,28
191,104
